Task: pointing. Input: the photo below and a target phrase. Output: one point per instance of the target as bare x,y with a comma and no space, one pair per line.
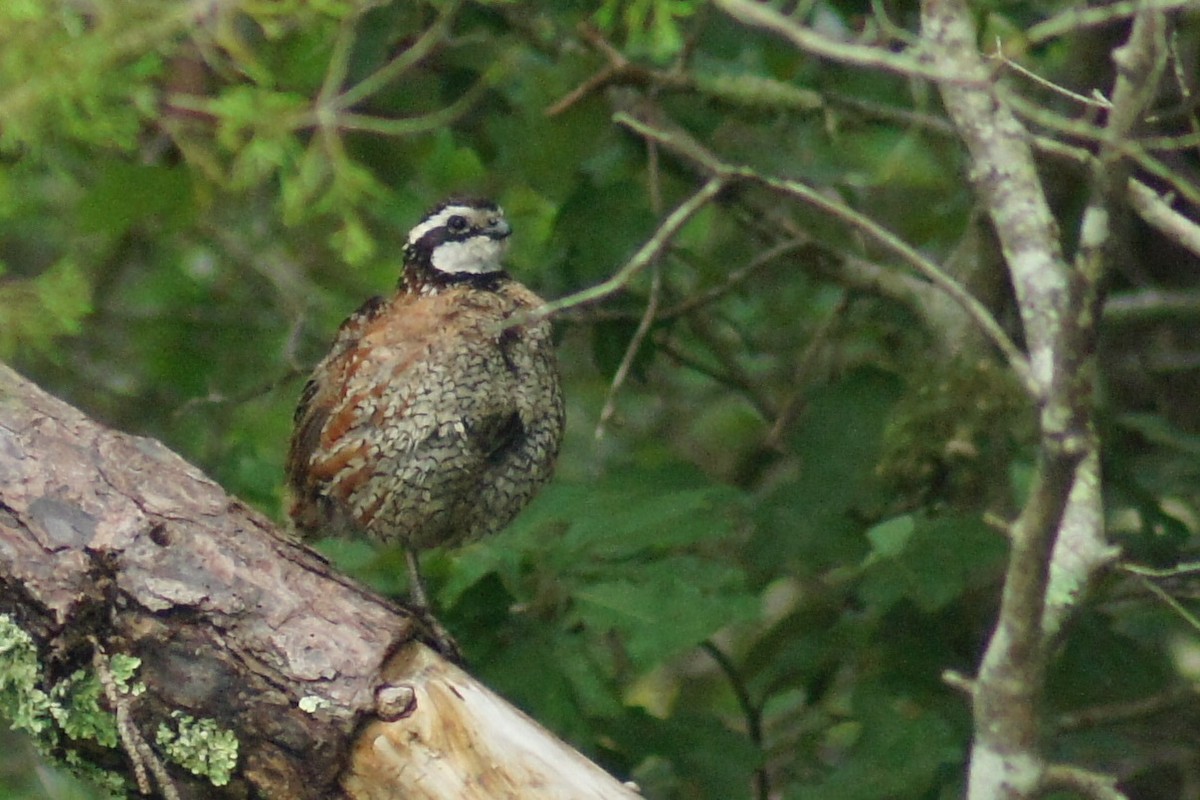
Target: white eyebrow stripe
437,220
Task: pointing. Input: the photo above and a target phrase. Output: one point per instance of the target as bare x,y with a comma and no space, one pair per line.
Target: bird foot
436,635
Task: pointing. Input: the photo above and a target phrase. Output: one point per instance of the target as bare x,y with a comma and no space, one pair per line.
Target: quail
437,414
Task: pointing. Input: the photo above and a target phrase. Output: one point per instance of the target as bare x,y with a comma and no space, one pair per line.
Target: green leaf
450,166
664,608
839,441
554,674
34,312
125,194
929,561
895,748
708,759
610,341
600,228
889,538
638,553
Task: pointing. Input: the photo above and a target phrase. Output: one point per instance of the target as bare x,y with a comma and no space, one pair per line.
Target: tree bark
112,546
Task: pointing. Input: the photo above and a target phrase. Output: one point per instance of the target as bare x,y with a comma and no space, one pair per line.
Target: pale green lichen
75,702
111,782
200,746
311,704
76,708
27,706
123,668
71,706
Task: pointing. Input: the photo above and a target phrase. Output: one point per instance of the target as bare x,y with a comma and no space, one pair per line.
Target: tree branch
1158,214
692,150
762,15
113,550
1058,541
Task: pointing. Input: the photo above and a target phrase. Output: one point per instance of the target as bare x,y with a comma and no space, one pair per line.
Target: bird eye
457,224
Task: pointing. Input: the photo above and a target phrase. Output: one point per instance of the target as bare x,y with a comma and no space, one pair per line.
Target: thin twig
792,404
1184,141
751,711
1183,82
1148,305
592,84
1158,214
403,62
956,680
893,113
1186,568
1078,18
617,66
737,382
631,351
141,756
762,15
929,270
414,126
703,329
335,73
1048,119
642,258
1091,785
733,279
1095,716
1094,102
1170,602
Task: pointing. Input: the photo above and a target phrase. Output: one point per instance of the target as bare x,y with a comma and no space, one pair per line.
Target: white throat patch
478,255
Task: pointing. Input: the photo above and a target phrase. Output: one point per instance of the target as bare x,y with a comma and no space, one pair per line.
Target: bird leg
420,607
416,587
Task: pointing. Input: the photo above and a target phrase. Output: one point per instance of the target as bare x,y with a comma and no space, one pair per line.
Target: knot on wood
395,701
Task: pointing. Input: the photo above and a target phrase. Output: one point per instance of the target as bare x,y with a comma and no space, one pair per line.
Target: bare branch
1057,542
835,208
403,62
1083,17
1094,102
762,15
1007,181
631,351
1151,304
645,255
1158,214
1080,550
1144,707
733,279
1133,148
790,409
1091,785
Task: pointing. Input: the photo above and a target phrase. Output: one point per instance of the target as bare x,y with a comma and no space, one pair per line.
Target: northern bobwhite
433,420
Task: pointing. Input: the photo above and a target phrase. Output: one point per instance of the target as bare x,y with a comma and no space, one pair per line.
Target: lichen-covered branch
1058,541
154,628
1081,550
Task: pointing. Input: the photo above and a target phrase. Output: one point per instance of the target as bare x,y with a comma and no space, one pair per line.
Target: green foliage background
756,577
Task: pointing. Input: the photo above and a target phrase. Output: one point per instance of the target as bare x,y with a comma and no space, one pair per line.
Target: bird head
459,239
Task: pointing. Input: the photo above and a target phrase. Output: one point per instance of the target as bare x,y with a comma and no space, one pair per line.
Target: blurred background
773,525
